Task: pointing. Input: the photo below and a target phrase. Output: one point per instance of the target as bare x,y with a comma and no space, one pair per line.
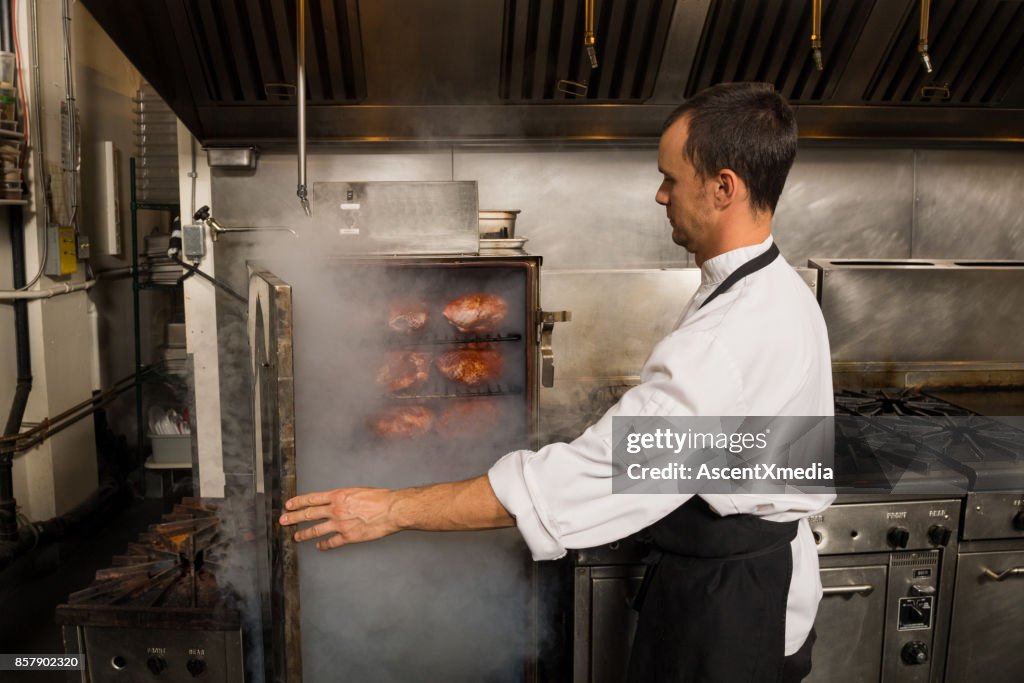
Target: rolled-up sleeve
561,495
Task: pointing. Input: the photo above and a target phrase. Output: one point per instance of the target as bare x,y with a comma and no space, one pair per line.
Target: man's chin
682,241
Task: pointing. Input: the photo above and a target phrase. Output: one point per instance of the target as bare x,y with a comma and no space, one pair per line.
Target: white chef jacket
758,349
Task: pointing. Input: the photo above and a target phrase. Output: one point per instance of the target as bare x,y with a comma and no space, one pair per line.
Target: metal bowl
498,224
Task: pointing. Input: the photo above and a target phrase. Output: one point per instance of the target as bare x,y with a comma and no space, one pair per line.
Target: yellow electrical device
66,249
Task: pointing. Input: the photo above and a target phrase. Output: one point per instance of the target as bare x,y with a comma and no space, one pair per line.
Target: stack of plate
156,135
162,270
173,358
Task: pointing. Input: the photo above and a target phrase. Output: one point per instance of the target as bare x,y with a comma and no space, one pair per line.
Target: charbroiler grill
165,609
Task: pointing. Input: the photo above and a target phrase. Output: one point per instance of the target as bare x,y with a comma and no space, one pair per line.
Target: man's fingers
315,531
335,541
307,515
299,502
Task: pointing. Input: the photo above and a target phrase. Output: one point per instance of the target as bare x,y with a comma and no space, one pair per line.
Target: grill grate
441,389
173,564
438,339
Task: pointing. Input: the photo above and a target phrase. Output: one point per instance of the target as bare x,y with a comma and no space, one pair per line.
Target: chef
735,592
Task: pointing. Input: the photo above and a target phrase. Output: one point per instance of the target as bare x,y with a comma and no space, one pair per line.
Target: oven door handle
1005,574
864,588
547,320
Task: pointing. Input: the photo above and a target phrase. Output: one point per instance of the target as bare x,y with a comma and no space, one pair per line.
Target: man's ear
728,188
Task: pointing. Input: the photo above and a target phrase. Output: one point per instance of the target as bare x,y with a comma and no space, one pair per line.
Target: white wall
61,472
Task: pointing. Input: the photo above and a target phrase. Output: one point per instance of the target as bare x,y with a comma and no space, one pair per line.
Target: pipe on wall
8,505
111,496
49,293
6,37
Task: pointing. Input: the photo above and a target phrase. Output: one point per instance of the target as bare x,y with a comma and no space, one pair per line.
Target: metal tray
512,243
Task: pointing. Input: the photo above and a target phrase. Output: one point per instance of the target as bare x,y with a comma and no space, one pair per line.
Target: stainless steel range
988,604
887,547
971,598
910,572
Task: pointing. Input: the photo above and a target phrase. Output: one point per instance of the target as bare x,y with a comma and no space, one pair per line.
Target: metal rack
138,285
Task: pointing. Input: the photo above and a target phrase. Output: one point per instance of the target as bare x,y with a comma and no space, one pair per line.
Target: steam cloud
414,606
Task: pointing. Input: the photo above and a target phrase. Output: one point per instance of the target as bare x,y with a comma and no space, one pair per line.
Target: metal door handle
864,588
1005,574
547,356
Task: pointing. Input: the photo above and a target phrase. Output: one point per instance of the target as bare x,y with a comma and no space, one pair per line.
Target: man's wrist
399,513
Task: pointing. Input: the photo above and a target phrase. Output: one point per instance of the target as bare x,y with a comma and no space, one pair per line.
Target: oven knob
939,535
156,664
196,667
817,537
915,652
1018,521
898,537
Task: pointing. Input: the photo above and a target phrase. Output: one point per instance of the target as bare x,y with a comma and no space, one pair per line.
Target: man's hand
351,516
357,515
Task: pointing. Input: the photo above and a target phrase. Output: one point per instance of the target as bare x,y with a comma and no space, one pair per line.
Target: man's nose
661,197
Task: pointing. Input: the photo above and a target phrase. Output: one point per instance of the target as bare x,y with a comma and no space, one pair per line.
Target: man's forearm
452,506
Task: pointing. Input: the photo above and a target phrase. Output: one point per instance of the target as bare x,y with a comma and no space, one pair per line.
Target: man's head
725,154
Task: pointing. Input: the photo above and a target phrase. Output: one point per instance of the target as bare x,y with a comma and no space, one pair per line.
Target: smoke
415,606
234,560
449,606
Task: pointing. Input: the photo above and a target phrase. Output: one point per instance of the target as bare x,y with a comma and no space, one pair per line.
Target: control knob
196,667
817,537
939,535
1018,521
915,652
898,537
156,664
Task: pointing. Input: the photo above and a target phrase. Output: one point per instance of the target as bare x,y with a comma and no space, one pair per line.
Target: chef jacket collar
716,269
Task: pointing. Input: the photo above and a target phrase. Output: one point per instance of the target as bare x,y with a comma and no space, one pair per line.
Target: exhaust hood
497,70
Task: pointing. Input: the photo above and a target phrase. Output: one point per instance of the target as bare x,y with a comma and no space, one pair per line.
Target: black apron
713,603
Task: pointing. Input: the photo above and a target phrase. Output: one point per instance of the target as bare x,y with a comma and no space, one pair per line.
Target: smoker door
850,625
985,640
270,344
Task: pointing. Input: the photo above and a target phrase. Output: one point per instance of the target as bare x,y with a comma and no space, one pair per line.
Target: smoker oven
455,606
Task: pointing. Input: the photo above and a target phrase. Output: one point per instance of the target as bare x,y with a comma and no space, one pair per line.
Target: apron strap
750,267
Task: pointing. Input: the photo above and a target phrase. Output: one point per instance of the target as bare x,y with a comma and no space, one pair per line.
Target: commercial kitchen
257,248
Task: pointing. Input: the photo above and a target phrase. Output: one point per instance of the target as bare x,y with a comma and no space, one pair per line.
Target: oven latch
547,320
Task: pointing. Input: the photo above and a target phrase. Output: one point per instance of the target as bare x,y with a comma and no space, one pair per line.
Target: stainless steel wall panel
400,217
583,208
969,204
594,208
847,203
617,317
266,196
941,312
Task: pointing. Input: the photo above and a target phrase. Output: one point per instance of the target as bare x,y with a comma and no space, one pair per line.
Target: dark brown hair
746,127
